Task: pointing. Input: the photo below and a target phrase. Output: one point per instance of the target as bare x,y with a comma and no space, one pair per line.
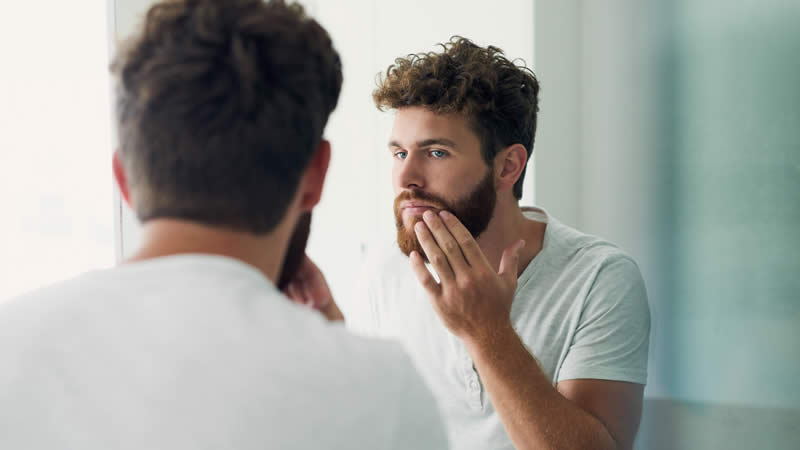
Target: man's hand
309,288
471,299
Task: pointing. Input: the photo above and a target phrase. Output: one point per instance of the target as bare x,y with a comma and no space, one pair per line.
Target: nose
409,173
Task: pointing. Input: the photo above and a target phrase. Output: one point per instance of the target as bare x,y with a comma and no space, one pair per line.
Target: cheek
395,180
400,175
451,178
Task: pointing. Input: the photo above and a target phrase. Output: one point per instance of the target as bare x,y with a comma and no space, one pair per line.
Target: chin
408,223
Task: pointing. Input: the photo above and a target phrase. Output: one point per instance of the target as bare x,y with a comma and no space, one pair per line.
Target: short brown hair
220,107
499,97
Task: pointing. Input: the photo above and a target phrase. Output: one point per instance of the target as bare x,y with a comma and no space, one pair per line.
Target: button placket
474,392
473,383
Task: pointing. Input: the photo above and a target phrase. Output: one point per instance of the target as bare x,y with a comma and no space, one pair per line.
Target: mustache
421,196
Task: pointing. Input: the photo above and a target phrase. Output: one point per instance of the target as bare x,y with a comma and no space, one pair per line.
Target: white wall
558,33
55,183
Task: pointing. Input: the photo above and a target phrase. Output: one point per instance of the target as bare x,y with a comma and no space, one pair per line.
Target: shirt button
473,385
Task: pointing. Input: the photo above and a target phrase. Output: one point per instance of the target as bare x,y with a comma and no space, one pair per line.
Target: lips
417,205
416,208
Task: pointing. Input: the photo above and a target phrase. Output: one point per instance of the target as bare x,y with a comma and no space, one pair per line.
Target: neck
508,225
166,237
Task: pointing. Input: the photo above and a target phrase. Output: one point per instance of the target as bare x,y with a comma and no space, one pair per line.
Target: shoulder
418,418
372,363
36,307
607,276
382,373
575,247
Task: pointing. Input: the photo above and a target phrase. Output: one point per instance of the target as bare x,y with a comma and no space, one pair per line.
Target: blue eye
400,155
438,154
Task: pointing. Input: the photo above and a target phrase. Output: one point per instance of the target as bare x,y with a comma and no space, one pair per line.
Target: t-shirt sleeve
613,334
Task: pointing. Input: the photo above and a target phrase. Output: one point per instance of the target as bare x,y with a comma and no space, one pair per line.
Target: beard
296,250
474,211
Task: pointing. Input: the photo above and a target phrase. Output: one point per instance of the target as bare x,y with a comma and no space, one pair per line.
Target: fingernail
444,213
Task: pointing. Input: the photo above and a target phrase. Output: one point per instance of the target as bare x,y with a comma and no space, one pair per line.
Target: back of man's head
220,107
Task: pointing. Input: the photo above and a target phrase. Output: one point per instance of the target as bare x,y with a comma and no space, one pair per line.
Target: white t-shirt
198,352
580,308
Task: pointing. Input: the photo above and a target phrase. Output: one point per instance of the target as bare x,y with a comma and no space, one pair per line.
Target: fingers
308,287
313,300
316,288
295,293
446,242
470,249
435,254
509,263
425,278
302,294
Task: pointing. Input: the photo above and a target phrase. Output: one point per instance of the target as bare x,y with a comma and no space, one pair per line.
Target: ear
509,165
121,177
314,178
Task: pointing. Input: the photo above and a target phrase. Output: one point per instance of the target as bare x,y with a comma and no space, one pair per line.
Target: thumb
509,263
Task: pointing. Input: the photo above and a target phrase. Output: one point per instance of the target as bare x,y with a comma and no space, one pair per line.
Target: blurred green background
673,128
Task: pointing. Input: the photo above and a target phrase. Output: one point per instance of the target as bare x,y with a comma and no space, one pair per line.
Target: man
189,345
531,334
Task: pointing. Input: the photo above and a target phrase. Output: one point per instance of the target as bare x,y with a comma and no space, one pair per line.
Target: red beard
474,211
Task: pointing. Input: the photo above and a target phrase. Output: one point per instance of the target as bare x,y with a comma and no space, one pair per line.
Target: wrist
490,339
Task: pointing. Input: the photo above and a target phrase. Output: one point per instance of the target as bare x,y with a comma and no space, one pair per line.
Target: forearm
534,413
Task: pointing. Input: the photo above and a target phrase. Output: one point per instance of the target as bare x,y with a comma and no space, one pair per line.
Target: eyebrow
427,143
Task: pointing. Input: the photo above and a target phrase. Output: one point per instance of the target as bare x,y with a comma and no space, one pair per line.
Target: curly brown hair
220,107
499,96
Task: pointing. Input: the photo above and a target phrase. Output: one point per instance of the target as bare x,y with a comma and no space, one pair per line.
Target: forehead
417,124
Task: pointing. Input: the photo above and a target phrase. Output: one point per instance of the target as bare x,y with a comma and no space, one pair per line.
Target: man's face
438,165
